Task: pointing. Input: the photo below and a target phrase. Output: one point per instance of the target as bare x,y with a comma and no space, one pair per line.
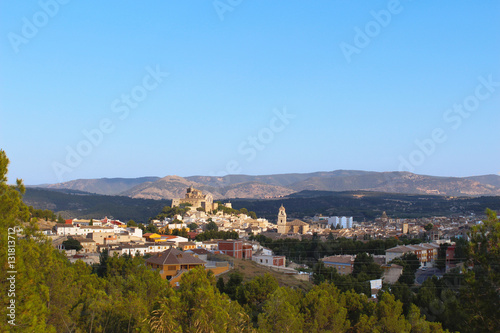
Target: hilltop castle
197,200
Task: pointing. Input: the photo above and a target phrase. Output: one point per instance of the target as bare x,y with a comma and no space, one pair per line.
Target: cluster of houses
385,227
427,254
172,255
169,254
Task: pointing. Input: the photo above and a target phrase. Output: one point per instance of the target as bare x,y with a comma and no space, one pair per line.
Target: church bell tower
282,220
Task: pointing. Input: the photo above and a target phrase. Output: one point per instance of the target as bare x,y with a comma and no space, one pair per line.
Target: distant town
170,244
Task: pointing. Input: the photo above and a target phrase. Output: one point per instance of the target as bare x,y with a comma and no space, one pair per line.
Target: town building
426,252
293,227
233,248
173,262
343,263
269,259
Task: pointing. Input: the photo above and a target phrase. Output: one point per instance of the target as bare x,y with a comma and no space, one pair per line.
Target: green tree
365,266
150,227
441,260
403,293
481,295
410,264
211,226
255,292
192,226
198,306
131,223
234,282
323,310
72,244
281,312
428,227
389,314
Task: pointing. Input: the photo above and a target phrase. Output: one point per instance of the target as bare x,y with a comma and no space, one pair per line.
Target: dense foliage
310,250
170,212
45,214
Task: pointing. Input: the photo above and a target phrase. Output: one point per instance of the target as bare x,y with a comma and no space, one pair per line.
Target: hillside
175,187
165,188
87,205
401,182
362,205
108,186
275,186
251,269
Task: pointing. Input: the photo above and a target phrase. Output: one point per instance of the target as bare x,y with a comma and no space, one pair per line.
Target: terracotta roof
199,251
399,249
84,240
341,259
186,243
174,257
296,222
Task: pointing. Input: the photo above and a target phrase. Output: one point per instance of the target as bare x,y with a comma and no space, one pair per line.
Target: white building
68,230
133,231
344,221
269,260
172,226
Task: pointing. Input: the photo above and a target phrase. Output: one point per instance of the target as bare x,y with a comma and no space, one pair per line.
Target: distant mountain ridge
107,186
279,185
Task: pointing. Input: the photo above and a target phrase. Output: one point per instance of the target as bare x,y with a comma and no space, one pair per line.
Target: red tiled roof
199,251
168,236
174,257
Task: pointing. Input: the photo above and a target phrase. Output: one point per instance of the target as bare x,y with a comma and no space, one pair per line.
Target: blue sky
253,87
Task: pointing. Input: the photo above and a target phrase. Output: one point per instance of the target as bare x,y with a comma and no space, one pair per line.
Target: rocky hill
107,186
275,186
175,187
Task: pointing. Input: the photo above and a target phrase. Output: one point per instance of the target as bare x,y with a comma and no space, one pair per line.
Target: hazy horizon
10,180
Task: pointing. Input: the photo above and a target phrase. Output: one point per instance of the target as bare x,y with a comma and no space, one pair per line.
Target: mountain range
280,185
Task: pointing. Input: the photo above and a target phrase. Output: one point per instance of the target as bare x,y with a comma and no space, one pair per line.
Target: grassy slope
251,269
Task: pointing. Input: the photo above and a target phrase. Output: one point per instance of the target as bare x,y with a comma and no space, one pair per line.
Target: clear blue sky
358,100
